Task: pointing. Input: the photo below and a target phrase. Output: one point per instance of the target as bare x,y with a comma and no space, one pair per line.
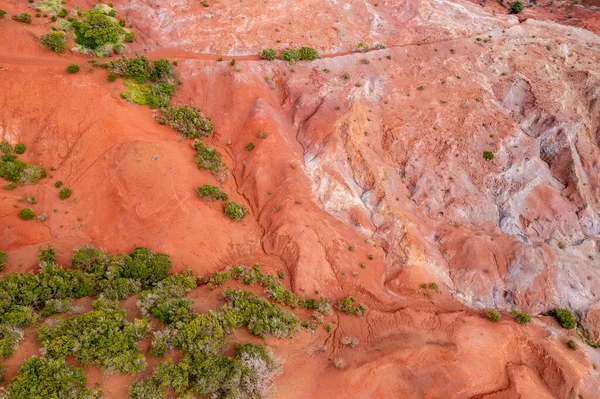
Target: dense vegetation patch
235,211
208,158
52,7
188,121
565,318
140,69
55,41
211,193
22,17
156,95
13,169
98,32
268,54
48,378
293,55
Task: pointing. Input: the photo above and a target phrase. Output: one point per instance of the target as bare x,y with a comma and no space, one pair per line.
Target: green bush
235,211
65,193
492,315
211,193
58,184
5,147
565,318
308,54
291,55
23,17
362,46
55,41
73,68
188,121
111,77
26,214
521,317
46,255
146,266
52,7
20,148
516,7
18,171
268,54
208,158
156,95
3,259
48,378
250,146
97,29
488,155
10,186
349,306
2,13
103,337
571,344
62,13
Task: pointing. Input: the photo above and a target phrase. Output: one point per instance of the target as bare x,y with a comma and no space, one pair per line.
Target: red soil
399,163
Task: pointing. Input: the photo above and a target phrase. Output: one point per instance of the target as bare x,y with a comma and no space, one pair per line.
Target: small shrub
5,147
492,315
349,306
211,193
268,54
10,186
2,13
516,7
291,55
433,286
250,146
235,211
521,317
65,193
73,68
308,54
111,77
55,41
565,318
208,158
62,13
58,184
488,155
23,17
362,46
20,148
571,344
26,214
188,121
262,135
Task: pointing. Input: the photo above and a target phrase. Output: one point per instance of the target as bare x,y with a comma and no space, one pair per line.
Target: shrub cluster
565,318
235,211
188,121
99,32
293,55
13,169
49,378
22,17
140,69
349,306
156,95
211,193
208,158
55,41
268,54
521,317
